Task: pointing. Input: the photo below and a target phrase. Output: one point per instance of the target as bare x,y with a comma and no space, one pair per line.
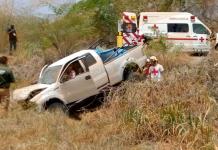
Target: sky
37,7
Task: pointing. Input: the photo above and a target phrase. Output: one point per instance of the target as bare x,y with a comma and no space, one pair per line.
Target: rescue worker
12,38
147,67
155,69
6,78
129,28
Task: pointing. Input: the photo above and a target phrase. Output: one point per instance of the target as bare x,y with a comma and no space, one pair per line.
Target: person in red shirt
146,67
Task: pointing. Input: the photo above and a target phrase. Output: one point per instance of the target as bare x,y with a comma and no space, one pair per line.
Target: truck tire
130,72
57,107
130,76
205,53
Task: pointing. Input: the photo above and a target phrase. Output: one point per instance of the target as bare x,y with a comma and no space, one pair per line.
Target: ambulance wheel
205,53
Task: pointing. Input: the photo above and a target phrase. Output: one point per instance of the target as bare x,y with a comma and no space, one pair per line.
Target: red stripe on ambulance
188,39
132,38
127,18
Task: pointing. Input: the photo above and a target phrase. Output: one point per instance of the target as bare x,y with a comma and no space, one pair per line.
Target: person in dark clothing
6,78
12,38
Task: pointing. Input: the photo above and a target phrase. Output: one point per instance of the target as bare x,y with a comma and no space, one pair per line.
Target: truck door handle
88,77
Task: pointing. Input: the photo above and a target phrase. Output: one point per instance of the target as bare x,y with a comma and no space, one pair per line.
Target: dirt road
194,60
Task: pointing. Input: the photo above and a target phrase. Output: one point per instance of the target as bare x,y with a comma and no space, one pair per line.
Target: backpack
2,79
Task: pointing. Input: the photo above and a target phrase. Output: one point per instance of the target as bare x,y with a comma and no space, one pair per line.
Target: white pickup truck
81,75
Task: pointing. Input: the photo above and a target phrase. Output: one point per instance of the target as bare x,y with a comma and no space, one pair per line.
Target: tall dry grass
178,113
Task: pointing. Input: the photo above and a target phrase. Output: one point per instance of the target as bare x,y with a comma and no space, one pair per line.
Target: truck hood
23,93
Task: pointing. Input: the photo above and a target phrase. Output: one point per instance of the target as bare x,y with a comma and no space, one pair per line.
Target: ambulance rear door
129,29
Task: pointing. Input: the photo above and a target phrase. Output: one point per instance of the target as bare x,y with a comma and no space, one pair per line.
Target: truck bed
115,61
111,54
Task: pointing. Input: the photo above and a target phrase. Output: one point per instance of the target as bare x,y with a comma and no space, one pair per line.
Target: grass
179,112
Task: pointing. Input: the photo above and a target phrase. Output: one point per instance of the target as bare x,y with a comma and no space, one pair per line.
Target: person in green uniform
6,78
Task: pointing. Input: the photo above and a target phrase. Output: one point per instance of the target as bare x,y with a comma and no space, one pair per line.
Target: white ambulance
180,28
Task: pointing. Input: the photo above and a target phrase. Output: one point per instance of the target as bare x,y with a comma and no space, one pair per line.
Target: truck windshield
50,75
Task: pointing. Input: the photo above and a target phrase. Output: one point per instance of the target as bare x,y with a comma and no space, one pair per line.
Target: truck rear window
88,60
176,27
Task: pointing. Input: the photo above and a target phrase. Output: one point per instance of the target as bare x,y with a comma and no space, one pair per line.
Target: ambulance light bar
133,17
126,17
145,18
193,18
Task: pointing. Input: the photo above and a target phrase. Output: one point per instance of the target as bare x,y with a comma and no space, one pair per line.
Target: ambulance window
175,27
200,29
129,27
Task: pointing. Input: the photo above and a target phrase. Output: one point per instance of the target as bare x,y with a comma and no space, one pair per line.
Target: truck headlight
34,93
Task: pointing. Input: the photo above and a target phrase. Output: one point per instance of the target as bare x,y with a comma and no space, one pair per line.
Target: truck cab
72,78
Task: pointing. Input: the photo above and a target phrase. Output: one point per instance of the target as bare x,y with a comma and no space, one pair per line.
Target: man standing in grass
155,69
6,78
12,38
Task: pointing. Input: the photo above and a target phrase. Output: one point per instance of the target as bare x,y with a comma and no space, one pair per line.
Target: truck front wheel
56,106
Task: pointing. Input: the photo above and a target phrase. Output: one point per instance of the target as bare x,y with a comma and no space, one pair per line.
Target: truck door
202,34
76,83
180,34
95,67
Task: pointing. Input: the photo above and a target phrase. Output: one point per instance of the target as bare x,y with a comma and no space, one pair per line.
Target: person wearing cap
6,78
147,67
155,69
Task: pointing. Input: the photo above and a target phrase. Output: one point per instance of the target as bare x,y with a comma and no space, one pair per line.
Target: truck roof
70,57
